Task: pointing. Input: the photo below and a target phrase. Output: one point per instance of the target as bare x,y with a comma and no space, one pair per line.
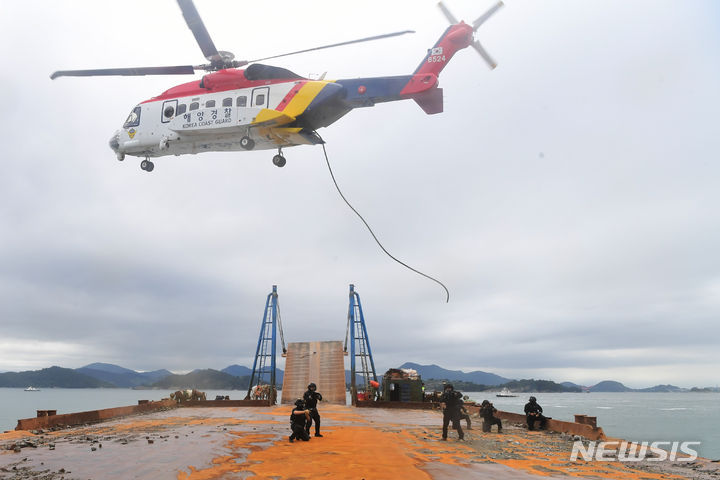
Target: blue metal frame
355,323
266,343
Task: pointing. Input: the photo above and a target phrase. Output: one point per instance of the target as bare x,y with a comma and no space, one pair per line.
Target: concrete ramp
321,363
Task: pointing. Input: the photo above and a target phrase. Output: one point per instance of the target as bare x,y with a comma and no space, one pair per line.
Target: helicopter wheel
147,165
279,161
247,143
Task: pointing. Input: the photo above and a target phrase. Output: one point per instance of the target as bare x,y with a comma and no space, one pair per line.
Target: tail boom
455,38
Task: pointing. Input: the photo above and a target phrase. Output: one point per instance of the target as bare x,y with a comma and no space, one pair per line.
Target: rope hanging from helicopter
337,187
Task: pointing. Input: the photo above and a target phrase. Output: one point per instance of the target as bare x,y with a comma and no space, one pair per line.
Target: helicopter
263,107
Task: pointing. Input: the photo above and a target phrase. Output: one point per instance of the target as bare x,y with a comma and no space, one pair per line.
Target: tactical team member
487,412
311,398
464,415
451,411
533,413
298,418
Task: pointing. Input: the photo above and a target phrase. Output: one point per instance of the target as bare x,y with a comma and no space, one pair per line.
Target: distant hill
439,373
574,385
610,386
240,371
704,389
662,389
53,377
434,385
542,386
204,380
121,377
108,367
515,386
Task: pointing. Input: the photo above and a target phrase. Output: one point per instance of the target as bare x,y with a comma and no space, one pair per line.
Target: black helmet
299,403
485,402
533,399
312,386
448,385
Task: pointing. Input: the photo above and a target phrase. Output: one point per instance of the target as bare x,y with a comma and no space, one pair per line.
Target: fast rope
447,292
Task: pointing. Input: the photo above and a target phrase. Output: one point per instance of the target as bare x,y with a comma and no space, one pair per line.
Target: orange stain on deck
348,452
15,435
343,452
361,450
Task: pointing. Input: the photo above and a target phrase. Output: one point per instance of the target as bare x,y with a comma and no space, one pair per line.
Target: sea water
649,417
15,403
632,416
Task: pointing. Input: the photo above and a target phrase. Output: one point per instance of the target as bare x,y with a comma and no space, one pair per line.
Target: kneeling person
487,412
298,418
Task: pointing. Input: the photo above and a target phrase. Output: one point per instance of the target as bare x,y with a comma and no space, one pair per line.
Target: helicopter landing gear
147,165
120,156
279,160
247,143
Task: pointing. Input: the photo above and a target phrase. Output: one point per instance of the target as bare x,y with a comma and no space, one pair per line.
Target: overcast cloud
568,199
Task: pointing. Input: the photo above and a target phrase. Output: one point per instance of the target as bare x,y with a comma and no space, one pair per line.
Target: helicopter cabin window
227,102
242,101
181,109
260,99
133,120
194,106
210,103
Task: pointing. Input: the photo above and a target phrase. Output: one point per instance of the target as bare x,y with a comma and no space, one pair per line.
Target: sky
568,199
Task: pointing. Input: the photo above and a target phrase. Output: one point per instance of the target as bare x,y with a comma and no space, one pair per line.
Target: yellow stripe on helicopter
303,98
271,118
283,137
296,106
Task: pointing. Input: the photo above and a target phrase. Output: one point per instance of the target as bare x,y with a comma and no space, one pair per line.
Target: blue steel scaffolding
359,348
263,375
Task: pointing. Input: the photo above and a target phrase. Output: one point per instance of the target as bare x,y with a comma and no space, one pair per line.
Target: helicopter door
260,97
169,108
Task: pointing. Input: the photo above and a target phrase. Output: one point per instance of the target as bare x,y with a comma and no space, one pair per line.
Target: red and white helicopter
265,107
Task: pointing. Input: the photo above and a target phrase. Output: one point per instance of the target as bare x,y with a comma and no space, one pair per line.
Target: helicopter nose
114,143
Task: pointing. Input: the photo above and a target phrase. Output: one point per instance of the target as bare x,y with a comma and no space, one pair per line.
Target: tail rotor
475,26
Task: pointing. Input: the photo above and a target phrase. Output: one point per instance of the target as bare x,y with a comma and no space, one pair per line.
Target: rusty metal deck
321,363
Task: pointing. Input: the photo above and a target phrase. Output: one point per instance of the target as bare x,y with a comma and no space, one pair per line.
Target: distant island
516,386
237,377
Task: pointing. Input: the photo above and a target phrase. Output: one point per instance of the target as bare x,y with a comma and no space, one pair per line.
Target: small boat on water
505,393
32,389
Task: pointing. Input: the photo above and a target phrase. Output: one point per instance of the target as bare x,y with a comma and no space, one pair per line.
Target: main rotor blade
193,20
491,63
447,13
177,70
481,19
368,39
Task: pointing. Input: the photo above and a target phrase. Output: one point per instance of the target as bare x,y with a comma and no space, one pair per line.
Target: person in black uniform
487,412
311,398
464,414
452,401
533,413
298,418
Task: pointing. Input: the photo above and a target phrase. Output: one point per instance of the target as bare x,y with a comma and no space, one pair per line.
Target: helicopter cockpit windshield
133,120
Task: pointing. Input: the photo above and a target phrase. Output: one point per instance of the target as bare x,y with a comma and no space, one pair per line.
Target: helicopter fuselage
272,106
263,107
